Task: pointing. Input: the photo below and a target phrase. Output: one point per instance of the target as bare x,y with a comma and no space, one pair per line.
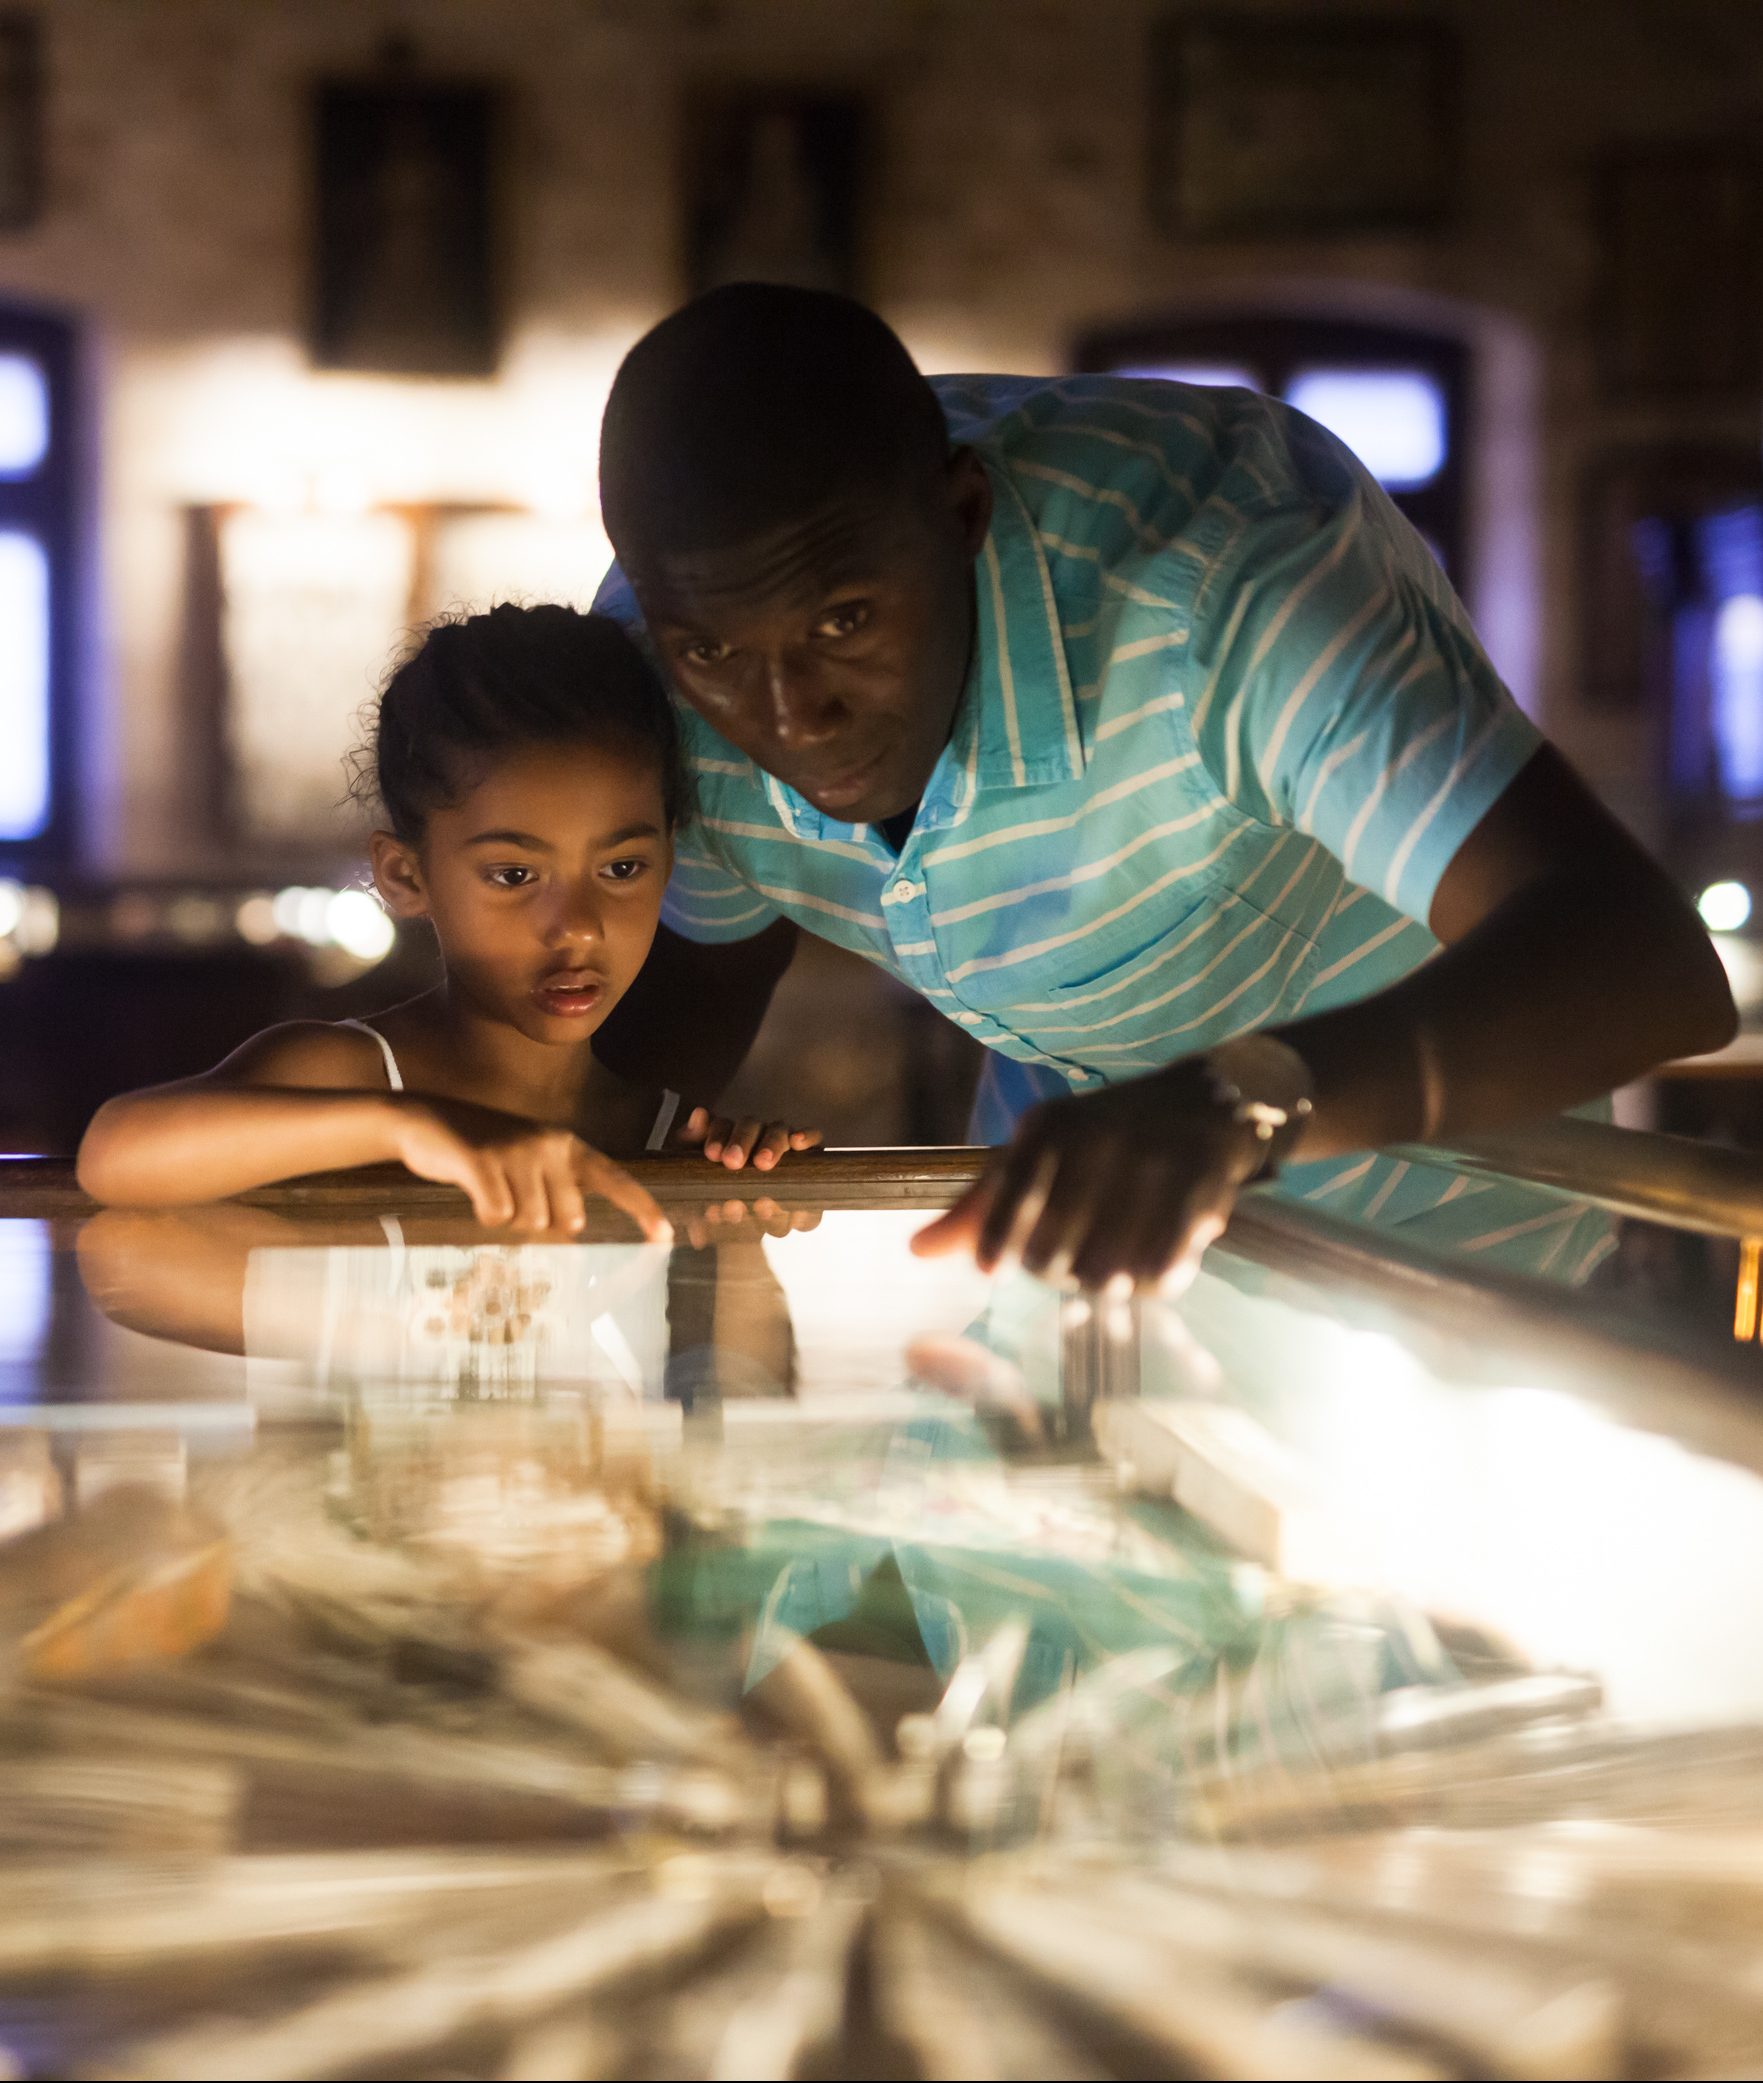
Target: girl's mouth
569,994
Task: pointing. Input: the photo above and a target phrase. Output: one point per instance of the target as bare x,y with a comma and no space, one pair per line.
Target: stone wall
1007,218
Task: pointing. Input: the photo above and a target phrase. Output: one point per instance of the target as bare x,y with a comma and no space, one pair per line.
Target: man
1131,725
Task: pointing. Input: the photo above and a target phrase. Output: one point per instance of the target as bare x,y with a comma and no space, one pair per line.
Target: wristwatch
1266,1085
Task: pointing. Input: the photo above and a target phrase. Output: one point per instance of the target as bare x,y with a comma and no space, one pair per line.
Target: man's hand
1132,1182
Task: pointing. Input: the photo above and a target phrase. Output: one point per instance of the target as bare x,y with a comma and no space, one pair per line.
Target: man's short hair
752,408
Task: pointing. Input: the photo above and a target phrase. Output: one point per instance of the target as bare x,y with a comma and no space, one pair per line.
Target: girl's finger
568,1211
695,1127
734,1151
483,1181
806,1138
532,1207
716,1133
613,1183
773,1142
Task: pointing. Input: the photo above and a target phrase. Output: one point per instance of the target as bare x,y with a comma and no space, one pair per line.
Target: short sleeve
706,901
1339,688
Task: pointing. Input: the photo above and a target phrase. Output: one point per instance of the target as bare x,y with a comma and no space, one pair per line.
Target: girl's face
543,883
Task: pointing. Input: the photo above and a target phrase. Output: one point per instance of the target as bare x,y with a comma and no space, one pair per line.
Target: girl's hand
729,1142
518,1175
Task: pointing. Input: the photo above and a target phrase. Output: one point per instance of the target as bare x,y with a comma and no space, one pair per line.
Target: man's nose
803,712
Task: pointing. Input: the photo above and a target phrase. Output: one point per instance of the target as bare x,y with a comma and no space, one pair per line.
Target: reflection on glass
25,1268
24,686
1392,419
24,415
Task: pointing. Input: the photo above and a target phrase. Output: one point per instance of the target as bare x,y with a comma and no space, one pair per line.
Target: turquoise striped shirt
1225,728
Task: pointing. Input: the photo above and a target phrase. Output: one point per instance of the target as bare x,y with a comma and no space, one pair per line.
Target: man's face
833,652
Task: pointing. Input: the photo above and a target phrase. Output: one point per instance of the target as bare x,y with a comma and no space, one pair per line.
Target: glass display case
431,1653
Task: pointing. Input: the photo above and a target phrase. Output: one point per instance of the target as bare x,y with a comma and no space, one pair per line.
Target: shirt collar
1019,703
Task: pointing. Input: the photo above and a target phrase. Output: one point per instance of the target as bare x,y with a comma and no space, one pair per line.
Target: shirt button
904,891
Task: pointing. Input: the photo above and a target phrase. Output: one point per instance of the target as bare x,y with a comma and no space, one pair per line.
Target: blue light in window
1213,375
1738,696
24,415
1392,419
24,686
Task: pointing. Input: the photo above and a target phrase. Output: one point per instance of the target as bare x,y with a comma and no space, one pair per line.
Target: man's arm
1571,964
694,1010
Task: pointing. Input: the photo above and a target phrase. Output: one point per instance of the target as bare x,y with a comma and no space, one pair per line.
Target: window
37,548
1394,396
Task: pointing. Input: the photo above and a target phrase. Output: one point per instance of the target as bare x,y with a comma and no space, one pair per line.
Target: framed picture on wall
21,122
1286,125
404,269
1680,306
774,179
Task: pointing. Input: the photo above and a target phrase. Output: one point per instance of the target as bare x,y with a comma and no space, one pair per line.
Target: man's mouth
568,994
839,791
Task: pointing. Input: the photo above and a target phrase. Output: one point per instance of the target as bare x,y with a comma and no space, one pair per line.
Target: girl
530,774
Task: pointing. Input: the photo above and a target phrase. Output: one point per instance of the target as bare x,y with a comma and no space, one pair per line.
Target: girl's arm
307,1098
300,1098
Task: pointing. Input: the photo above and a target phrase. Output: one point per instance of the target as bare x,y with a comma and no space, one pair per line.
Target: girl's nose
576,920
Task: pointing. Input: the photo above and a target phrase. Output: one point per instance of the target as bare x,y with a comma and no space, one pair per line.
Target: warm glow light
255,920
1392,419
359,926
1725,906
11,905
38,926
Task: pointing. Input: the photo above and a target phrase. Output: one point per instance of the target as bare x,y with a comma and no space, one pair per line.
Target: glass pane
24,686
24,415
1392,419
1213,374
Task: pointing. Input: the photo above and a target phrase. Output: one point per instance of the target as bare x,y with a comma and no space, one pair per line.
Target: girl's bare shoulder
314,1053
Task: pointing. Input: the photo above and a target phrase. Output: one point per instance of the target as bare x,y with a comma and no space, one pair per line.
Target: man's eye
511,877
843,621
705,653
625,871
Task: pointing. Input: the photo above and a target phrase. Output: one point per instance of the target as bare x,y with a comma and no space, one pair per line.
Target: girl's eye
625,871
844,621
706,653
512,877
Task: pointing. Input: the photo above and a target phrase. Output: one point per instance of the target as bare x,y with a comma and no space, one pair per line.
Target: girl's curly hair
476,686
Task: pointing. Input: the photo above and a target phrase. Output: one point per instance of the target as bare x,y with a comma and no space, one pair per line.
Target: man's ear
397,875
970,494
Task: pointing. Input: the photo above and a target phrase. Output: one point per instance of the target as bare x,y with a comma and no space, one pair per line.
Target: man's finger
806,1138
957,1228
1031,1172
716,1133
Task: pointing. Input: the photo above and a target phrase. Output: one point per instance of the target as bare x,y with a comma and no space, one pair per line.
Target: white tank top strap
394,1077
663,1121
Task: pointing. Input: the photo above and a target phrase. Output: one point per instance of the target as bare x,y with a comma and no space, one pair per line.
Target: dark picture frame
775,180
1679,312
21,121
404,274
1286,125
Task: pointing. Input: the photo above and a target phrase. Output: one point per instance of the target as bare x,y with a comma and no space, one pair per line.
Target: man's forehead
792,566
